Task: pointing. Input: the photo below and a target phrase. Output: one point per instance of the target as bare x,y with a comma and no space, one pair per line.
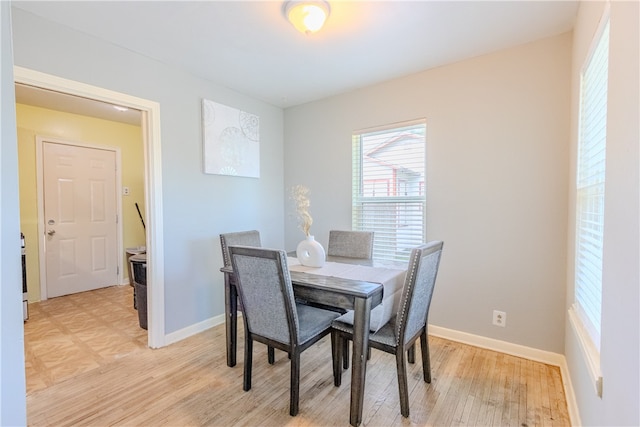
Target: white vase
310,252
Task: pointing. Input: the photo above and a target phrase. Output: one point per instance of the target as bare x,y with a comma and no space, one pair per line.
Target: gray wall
619,353
197,207
13,410
497,178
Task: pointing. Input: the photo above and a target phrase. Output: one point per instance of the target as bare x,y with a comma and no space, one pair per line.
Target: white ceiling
249,46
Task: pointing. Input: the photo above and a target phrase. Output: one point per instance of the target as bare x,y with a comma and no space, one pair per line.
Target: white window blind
590,182
389,195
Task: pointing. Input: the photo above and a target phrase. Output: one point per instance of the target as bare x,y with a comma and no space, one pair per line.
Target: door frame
153,182
40,141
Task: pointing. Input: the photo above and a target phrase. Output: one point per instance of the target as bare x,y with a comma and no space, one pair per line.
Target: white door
80,218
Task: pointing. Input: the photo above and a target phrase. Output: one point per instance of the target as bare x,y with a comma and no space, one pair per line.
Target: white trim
390,126
588,350
595,40
570,394
40,141
542,356
153,181
530,353
196,328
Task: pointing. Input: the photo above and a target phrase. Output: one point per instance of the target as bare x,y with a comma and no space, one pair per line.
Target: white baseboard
497,345
569,394
193,329
530,353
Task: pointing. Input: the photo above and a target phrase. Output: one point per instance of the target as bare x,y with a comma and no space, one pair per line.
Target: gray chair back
350,244
418,290
265,287
240,238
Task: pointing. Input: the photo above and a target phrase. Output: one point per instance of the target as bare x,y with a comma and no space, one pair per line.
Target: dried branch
300,196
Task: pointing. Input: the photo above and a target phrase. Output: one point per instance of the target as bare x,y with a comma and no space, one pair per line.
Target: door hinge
116,218
117,270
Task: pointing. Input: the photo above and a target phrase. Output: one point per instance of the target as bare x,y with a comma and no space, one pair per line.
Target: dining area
356,299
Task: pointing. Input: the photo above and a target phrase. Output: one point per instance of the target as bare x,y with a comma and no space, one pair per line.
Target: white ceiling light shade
307,16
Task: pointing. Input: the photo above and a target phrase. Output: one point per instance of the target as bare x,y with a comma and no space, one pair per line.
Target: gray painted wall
620,348
13,410
497,178
197,207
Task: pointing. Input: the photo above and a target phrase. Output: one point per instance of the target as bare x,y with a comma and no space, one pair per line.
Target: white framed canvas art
231,140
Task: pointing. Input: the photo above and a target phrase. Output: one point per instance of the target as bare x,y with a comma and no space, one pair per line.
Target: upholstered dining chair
271,315
241,238
401,332
350,244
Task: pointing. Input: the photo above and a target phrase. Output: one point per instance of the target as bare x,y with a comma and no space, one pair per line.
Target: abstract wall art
231,141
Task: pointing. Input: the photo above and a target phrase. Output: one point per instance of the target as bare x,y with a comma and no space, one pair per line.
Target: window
389,187
590,202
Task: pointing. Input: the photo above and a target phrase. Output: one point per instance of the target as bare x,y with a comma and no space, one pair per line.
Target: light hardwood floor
87,364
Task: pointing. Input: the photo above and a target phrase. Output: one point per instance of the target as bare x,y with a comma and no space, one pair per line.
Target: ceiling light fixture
121,109
308,16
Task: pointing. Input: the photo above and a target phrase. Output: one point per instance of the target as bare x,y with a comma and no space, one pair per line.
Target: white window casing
389,194
585,314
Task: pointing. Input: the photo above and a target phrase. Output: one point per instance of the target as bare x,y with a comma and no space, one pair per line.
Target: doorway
153,181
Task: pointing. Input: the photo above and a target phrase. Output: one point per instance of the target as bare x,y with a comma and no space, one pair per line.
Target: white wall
13,410
197,207
497,155
620,354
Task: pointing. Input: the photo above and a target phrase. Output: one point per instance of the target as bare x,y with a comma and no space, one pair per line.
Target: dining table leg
231,313
361,319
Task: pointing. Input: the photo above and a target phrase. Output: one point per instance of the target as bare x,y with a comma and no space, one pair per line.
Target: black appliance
25,297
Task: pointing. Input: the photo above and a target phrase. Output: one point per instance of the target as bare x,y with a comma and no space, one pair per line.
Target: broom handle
140,215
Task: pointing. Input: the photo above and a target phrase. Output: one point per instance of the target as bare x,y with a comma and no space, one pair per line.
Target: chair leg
337,349
402,383
345,353
411,353
295,383
426,358
248,359
271,356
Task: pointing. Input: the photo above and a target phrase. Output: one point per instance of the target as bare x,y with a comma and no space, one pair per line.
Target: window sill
589,351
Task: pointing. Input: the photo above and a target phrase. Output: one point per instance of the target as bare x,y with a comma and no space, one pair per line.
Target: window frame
582,322
382,244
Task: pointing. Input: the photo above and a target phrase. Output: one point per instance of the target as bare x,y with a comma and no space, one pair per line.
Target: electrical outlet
125,191
499,318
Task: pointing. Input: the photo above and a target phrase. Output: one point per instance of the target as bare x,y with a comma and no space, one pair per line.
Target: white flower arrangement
300,196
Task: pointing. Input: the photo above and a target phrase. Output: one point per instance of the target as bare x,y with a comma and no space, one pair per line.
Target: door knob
51,232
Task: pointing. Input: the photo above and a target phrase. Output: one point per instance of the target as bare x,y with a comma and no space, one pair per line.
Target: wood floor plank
559,401
536,395
462,380
523,394
497,390
466,404
485,409
445,405
479,386
189,384
510,395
